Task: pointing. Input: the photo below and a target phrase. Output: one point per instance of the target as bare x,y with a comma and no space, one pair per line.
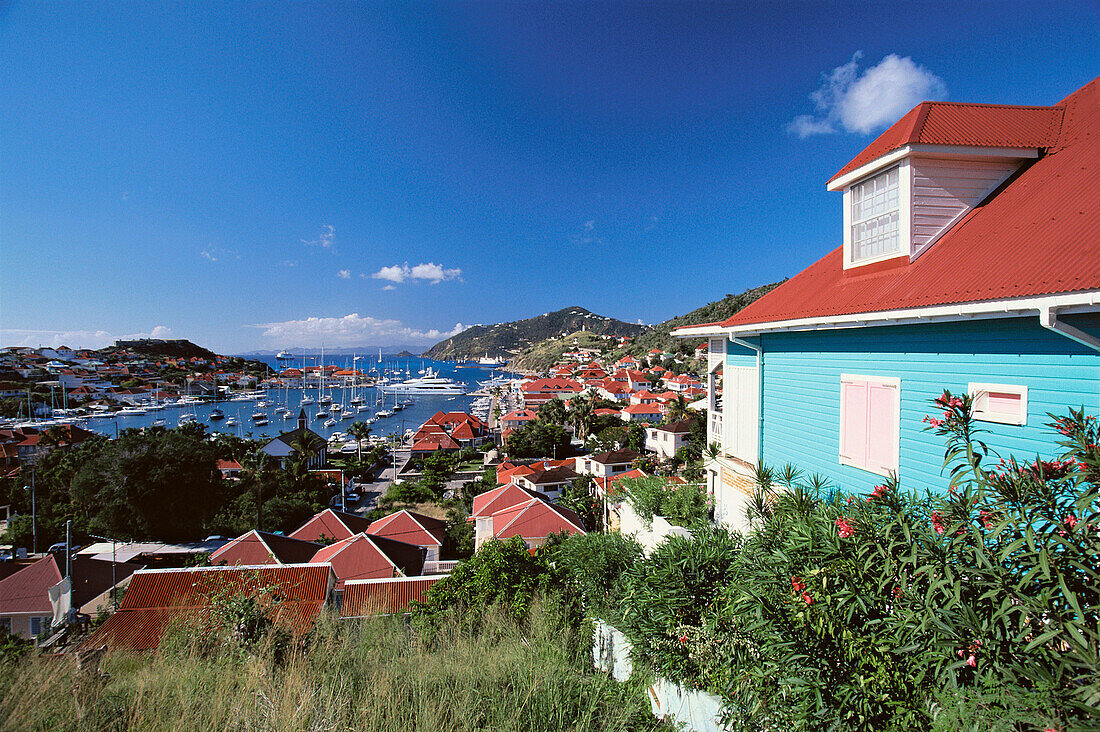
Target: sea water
411,417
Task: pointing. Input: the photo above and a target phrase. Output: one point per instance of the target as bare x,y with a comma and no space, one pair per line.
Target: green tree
582,414
677,409
157,485
580,496
501,572
553,412
360,431
539,439
258,471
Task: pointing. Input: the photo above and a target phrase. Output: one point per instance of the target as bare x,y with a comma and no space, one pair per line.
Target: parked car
353,498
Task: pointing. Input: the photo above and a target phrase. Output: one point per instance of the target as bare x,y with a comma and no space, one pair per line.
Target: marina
410,392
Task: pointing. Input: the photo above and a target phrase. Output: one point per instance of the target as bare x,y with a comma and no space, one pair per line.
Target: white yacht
430,383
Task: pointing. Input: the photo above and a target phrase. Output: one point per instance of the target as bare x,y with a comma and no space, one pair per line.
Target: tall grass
373,675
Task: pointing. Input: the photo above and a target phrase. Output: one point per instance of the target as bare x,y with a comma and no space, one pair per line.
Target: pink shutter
853,422
882,428
1005,403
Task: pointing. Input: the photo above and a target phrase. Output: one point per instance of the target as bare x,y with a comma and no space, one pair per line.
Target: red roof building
25,607
369,557
331,525
412,528
540,391
259,547
534,521
365,598
968,260
159,599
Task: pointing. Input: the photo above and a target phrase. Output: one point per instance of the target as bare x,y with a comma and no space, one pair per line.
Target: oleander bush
978,609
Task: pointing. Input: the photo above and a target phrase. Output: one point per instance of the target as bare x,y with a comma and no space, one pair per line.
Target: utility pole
34,519
114,561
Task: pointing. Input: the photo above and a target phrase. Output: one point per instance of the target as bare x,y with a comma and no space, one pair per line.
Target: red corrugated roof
1037,236
366,557
380,597
332,525
411,528
26,591
535,519
260,547
505,496
156,599
969,125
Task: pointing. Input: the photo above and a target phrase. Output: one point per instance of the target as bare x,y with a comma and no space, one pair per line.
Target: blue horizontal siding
802,389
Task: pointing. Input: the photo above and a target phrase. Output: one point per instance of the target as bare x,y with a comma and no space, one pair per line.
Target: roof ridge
991,105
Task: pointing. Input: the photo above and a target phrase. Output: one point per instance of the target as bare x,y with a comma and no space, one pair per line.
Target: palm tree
360,431
305,446
256,469
582,413
677,409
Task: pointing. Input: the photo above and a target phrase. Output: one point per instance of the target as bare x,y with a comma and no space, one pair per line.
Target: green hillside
659,336
508,339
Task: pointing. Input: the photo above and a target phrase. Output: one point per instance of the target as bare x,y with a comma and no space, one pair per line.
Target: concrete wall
697,711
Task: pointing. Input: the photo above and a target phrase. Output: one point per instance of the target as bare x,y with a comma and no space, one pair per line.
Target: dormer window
875,213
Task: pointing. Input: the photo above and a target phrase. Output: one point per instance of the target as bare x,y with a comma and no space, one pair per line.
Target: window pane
875,210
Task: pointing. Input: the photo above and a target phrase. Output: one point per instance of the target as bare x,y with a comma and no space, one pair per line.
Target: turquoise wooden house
970,261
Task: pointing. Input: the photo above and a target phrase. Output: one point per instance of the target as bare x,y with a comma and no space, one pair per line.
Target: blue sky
277,175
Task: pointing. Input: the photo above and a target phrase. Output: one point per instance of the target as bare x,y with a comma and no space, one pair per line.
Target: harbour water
423,405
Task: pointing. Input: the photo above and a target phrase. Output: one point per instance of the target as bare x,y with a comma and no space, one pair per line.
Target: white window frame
905,188
890,381
981,411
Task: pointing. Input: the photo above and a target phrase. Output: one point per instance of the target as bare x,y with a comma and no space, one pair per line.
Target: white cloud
289,263
344,274
427,271
72,338
349,330
325,239
215,253
862,103
588,234
55,338
387,288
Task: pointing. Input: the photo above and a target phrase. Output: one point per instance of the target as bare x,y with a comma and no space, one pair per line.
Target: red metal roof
971,125
380,597
331,525
486,504
157,599
366,557
409,527
1037,236
27,591
260,547
535,519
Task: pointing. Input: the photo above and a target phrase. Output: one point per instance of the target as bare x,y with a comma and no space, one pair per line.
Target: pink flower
844,529
983,516
683,639
1070,521
971,662
937,522
807,599
797,584
878,492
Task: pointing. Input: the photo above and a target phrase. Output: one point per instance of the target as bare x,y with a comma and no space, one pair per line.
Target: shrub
681,504
894,610
501,572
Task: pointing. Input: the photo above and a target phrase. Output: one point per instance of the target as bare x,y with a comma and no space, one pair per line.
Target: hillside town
867,499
